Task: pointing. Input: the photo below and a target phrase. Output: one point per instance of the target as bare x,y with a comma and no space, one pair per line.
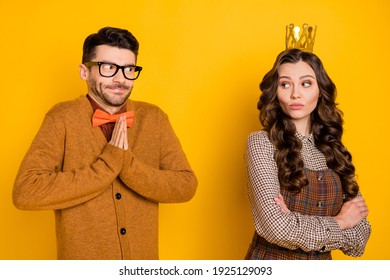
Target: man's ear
84,72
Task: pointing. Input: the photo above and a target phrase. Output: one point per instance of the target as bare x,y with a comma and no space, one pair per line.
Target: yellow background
203,61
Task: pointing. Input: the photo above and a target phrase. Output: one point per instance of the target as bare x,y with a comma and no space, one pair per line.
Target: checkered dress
309,231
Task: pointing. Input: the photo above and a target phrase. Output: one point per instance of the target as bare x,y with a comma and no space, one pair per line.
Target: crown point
300,38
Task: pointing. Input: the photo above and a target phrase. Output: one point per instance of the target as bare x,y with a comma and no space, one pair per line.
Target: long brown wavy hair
326,127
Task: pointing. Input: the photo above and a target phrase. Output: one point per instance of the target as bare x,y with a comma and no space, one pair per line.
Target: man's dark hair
110,36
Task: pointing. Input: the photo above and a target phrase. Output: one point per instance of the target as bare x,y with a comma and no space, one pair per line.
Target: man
104,182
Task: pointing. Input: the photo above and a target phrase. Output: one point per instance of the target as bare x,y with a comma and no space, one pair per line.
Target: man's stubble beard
106,98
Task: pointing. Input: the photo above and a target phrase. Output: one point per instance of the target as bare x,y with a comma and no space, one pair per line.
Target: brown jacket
105,199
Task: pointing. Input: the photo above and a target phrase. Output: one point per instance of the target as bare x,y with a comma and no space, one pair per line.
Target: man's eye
108,66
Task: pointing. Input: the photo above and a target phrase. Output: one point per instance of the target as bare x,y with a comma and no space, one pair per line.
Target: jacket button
320,177
118,196
123,231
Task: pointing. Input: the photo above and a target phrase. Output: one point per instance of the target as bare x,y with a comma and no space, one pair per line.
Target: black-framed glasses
107,69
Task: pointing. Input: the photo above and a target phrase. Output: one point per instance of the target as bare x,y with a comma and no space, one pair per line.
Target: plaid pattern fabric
309,227
322,197
260,249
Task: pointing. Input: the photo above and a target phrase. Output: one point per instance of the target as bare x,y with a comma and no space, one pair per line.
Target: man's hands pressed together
119,135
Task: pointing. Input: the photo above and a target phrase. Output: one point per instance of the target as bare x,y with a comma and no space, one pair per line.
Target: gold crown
300,38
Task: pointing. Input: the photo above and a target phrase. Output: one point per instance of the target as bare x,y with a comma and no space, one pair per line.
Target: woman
301,181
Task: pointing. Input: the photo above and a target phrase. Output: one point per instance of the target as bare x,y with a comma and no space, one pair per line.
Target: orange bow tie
100,117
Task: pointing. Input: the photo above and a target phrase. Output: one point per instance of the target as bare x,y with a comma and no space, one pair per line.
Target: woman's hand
352,212
279,200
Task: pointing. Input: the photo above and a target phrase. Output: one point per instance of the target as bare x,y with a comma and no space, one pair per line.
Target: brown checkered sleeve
355,239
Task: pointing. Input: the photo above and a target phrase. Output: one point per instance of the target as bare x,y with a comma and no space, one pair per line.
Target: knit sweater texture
105,199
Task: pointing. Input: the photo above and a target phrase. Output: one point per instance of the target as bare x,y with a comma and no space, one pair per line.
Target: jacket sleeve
356,238
291,230
41,182
172,181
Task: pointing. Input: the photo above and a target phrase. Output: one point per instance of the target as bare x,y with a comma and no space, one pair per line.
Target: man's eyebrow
126,65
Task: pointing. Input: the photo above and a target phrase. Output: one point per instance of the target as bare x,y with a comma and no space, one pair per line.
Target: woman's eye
306,84
285,85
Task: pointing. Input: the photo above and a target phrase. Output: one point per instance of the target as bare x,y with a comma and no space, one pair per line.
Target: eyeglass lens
109,70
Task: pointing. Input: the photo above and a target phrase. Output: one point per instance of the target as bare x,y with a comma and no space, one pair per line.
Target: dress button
319,204
118,196
123,231
320,177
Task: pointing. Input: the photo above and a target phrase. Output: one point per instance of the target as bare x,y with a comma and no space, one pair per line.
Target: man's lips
119,88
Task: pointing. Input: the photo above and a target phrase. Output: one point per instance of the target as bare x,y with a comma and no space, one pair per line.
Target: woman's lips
296,106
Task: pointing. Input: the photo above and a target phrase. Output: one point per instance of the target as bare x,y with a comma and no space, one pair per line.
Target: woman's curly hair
326,127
